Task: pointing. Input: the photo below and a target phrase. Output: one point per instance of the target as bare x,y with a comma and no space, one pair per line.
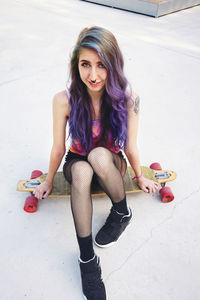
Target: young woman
103,121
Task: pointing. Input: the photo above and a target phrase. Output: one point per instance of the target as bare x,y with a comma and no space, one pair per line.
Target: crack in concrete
151,233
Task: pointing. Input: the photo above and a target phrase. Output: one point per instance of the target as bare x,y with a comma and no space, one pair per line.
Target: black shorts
71,156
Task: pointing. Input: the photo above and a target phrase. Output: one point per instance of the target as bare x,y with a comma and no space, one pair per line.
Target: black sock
121,206
86,247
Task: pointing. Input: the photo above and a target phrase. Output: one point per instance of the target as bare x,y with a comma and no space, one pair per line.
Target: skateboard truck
162,175
165,192
31,202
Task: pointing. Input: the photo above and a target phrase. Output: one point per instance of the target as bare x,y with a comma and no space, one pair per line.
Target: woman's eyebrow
85,60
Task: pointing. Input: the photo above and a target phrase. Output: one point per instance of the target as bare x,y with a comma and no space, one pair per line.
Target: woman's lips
94,84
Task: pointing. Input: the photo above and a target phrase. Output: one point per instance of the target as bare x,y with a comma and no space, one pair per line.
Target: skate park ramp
154,8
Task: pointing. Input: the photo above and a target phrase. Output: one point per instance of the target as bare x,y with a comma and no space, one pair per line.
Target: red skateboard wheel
166,194
155,166
30,205
36,173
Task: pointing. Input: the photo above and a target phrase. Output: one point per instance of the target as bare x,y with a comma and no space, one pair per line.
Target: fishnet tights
109,168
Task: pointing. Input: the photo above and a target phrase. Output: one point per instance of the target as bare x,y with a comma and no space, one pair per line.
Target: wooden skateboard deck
61,188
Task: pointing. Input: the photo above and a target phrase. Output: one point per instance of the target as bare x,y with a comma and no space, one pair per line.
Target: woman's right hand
42,190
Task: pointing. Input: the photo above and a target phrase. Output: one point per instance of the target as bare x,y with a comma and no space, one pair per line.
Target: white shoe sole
112,243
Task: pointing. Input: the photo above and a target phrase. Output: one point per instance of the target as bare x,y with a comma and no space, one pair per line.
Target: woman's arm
60,116
131,150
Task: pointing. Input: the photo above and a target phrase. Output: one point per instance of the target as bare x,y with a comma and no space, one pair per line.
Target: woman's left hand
147,185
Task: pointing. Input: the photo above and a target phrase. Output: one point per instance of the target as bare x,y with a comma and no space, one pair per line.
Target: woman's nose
93,74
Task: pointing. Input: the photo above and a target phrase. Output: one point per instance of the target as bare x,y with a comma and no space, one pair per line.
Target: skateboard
61,188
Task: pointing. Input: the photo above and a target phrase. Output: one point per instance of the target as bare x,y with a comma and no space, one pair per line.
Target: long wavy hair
114,98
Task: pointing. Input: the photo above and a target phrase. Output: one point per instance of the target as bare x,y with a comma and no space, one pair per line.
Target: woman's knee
82,174
100,159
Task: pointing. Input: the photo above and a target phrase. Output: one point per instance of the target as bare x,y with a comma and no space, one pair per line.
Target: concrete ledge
155,8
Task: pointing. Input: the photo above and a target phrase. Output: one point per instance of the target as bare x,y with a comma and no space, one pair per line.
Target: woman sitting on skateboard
103,120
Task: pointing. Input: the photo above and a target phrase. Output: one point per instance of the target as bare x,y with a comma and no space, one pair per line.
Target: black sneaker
92,283
115,224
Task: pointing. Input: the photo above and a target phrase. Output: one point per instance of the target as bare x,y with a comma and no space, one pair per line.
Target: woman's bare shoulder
61,101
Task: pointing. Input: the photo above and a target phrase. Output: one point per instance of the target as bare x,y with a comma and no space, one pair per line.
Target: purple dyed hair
114,97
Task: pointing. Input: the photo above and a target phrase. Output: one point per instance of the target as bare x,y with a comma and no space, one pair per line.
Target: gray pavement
158,257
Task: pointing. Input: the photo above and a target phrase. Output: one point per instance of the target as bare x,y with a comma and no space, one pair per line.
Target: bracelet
137,178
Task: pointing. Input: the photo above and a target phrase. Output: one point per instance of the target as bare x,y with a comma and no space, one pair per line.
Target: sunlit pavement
158,257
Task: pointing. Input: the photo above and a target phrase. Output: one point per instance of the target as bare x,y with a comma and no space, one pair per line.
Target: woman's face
92,72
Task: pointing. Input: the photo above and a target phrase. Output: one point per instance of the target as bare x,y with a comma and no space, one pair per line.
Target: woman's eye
85,64
101,65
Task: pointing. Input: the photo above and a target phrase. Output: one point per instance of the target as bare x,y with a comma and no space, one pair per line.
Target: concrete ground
158,257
